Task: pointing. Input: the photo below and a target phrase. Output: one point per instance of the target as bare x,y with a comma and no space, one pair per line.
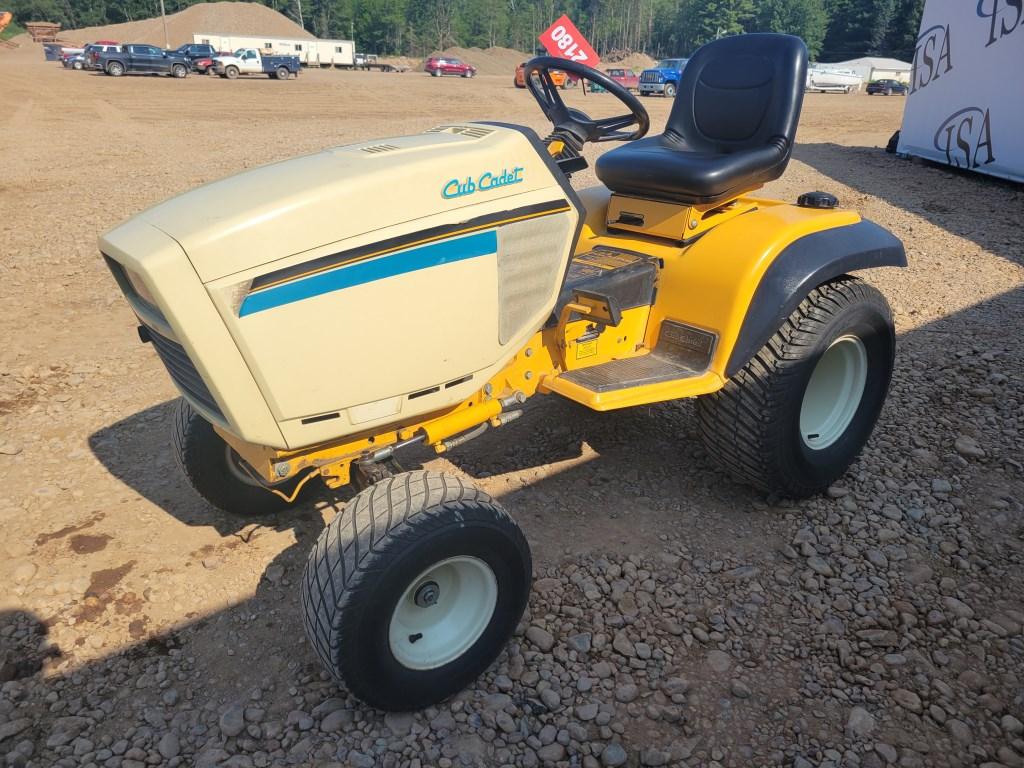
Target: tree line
834,30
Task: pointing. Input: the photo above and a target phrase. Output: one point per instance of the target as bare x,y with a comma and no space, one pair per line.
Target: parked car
91,57
137,58
446,65
624,77
67,54
249,61
662,78
204,66
558,77
887,87
200,55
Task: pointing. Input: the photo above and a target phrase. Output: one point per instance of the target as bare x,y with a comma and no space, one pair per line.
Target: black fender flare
802,266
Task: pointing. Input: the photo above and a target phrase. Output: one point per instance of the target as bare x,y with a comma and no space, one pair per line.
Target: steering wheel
573,121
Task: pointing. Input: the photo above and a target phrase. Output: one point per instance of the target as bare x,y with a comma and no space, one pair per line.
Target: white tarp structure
876,68
966,102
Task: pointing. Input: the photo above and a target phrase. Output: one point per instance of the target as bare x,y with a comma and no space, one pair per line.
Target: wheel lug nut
427,594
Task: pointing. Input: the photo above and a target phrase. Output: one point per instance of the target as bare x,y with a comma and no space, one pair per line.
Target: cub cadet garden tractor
322,313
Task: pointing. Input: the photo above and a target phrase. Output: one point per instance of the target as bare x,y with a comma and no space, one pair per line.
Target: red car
625,77
446,65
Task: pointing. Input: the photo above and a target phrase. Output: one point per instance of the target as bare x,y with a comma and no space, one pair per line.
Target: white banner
966,102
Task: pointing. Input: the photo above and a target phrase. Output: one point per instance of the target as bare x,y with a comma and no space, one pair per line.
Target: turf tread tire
739,425
201,455
359,546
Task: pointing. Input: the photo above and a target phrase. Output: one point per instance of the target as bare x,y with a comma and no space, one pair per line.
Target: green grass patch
11,30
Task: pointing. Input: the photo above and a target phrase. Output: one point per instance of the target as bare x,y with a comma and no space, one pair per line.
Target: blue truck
137,58
663,78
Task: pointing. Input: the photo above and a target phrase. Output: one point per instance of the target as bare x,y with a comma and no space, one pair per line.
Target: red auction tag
563,40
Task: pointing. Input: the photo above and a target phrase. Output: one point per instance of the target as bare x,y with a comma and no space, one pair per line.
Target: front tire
414,589
231,73
216,472
670,90
794,418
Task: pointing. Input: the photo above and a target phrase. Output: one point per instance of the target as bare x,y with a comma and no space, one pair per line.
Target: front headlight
139,287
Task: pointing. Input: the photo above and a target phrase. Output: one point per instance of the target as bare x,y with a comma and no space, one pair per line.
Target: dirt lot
680,619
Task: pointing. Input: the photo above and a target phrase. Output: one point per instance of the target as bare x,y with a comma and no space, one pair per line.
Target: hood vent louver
470,131
376,149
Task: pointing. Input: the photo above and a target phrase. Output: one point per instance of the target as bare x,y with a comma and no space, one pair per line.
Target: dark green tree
806,19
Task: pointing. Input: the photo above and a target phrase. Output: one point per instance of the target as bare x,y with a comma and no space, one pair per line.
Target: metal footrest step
629,373
682,352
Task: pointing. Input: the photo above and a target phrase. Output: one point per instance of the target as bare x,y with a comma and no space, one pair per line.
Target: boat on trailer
828,80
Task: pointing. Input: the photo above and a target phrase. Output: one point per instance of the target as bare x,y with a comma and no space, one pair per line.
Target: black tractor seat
731,127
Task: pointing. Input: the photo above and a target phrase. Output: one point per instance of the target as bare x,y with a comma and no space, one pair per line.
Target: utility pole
163,15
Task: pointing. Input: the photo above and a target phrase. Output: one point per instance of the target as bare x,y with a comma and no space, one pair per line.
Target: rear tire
179,71
77,66
375,586
115,69
794,418
214,470
283,73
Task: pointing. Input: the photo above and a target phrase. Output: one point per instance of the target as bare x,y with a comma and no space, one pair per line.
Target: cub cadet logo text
965,136
486,181
931,57
1004,15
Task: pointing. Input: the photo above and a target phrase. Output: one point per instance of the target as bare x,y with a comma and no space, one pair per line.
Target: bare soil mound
224,18
635,61
488,61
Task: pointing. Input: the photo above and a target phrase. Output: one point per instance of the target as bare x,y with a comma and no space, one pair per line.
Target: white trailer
312,52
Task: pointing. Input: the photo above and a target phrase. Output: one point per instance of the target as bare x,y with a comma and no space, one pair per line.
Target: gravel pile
879,633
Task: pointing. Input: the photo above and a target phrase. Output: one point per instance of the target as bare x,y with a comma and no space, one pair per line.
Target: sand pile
224,18
488,61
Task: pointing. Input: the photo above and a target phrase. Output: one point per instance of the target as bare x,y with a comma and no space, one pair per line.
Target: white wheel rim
834,392
443,612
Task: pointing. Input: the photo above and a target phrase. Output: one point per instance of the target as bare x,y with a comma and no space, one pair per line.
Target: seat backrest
741,92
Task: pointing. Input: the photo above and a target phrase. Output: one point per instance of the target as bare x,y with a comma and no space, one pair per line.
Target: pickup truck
135,58
662,78
249,61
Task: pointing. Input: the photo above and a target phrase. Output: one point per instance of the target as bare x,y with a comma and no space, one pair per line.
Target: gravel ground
677,618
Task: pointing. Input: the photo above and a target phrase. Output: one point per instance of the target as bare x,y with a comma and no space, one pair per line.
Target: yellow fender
745,276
